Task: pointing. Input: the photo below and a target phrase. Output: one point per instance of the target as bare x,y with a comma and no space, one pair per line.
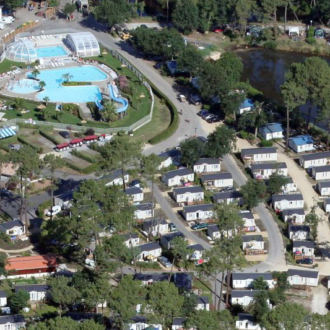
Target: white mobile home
135,194
144,211
149,251
3,298
326,205
37,292
249,222
131,239
312,160
299,232
196,252
155,227
301,143
178,323
115,178
213,232
290,186
217,180
148,279
170,157
207,165
140,322
259,155
14,228
294,216
303,248
283,202
165,240
189,194
253,242
245,280
178,177
303,277
265,170
228,197
12,322
244,297
323,187
321,172
271,131
246,106
247,322
203,303
198,212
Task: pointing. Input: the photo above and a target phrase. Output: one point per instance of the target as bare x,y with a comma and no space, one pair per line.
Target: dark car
64,134
213,119
305,261
199,226
202,113
205,115
227,188
158,65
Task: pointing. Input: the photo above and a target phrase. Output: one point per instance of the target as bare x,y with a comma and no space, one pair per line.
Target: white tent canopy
83,44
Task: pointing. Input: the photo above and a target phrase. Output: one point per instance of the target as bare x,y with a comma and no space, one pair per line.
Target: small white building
321,172
115,178
178,323
246,106
289,186
253,242
217,180
149,251
271,131
14,228
203,303
246,322
207,165
313,160
326,205
135,194
140,322
288,201
228,197
213,232
245,280
155,227
170,157
37,292
323,187
189,194
265,170
178,177
249,222
131,239
144,211
303,248
301,143
303,277
244,297
12,322
198,212
165,240
196,252
3,298
294,216
259,155
299,232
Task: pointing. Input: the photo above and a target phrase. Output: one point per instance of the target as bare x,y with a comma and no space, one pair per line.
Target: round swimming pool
23,86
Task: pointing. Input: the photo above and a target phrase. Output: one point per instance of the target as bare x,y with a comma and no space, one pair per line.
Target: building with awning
6,132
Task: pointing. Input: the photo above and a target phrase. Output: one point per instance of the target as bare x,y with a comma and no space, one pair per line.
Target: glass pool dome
22,50
83,44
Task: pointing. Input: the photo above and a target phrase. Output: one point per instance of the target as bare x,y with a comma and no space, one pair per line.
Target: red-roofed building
36,266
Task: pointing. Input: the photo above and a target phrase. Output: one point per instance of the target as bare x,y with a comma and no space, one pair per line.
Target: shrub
83,156
243,134
121,133
311,40
43,207
23,141
270,44
89,131
266,143
49,137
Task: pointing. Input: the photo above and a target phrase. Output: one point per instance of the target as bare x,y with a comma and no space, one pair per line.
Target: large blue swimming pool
52,51
58,93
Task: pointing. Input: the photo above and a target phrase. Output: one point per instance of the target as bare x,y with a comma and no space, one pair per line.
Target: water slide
113,91
99,105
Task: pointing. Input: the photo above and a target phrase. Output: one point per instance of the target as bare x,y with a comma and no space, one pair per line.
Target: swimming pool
58,93
24,86
52,51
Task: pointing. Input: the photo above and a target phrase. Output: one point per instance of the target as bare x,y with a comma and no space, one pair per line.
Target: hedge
49,137
174,124
42,207
82,156
87,170
23,141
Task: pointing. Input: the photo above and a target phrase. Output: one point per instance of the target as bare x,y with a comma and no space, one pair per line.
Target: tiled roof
33,262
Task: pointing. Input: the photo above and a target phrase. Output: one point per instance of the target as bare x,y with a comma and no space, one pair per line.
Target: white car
55,210
8,19
2,26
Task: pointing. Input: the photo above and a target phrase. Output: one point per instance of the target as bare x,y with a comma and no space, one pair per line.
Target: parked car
206,115
165,262
306,261
227,188
214,119
199,226
135,183
209,116
172,227
55,210
218,29
158,65
202,113
64,134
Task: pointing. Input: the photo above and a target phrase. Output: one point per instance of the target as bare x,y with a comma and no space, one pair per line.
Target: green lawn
7,65
204,287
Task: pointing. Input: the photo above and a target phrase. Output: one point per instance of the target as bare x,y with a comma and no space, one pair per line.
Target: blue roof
6,132
247,104
272,128
302,139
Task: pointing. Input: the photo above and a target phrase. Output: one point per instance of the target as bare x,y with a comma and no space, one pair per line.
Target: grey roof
246,215
288,197
289,212
272,128
127,236
133,191
179,321
244,293
191,189
32,287
183,281
324,184
3,294
169,237
149,246
202,300
327,200
245,316
296,228
249,238
179,172
303,273
200,207
10,224
308,244
265,166
146,225
256,151
245,276
318,169
12,319
216,176
210,161
156,277
318,155
113,175
196,247
227,194
144,206
170,153
213,229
